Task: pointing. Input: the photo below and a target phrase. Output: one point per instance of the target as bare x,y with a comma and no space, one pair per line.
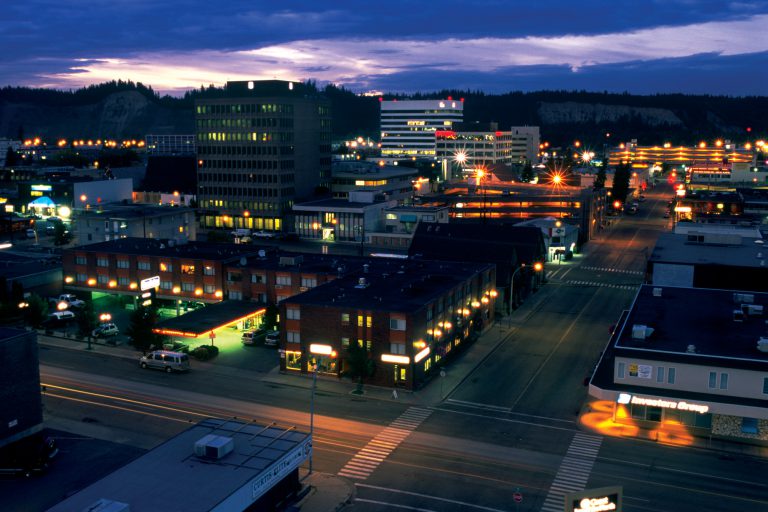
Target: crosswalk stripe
574,470
376,451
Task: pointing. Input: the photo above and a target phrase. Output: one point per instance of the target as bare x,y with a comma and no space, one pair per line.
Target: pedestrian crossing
631,287
615,270
364,462
574,471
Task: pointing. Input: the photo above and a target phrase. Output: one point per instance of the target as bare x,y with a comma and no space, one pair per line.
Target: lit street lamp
537,267
312,413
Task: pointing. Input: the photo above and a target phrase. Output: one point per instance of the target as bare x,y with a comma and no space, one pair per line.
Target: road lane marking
430,497
390,437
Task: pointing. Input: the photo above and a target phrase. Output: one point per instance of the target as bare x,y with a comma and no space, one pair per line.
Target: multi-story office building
471,145
261,146
408,127
683,371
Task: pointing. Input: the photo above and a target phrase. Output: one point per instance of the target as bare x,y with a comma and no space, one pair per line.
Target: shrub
201,353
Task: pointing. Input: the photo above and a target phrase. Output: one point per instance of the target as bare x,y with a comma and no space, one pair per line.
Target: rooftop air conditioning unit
691,349
641,332
762,344
738,315
657,292
214,447
743,298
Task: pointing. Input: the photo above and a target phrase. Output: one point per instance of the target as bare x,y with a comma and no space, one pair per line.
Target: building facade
467,147
261,147
140,220
408,127
389,181
406,316
685,370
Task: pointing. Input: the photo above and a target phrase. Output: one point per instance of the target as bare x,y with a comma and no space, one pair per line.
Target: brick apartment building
408,315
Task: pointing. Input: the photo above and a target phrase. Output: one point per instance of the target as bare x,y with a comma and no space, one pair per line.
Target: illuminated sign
150,282
275,472
626,398
391,358
604,499
41,188
421,355
324,350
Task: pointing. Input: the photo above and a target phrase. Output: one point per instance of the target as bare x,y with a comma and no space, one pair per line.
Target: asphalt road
507,427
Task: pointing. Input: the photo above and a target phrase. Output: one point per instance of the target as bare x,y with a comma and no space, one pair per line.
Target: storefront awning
42,202
203,321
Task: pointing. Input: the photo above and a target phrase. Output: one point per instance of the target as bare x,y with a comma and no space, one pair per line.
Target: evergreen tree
600,177
36,311
86,319
360,366
139,331
621,182
527,175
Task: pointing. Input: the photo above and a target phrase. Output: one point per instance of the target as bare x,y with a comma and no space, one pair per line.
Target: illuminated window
293,337
293,314
143,265
187,287
308,282
102,279
368,321
102,262
209,270
166,267
209,288
283,280
345,319
345,343
360,319
123,264
188,269
258,278
81,260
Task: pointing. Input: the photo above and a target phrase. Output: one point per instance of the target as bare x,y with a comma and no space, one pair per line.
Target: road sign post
517,497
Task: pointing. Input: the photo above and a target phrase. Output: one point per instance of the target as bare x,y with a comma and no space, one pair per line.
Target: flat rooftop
129,211
172,478
392,285
157,247
676,248
703,318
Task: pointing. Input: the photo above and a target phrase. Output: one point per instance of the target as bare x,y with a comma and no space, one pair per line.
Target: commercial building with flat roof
135,220
691,360
21,414
406,316
261,147
218,465
389,181
705,259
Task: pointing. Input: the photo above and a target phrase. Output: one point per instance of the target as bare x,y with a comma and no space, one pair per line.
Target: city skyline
697,47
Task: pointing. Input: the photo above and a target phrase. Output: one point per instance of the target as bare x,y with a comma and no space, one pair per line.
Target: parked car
105,330
28,456
69,298
251,337
61,316
165,360
31,233
272,338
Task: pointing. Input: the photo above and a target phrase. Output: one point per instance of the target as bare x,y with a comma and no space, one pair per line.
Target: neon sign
626,398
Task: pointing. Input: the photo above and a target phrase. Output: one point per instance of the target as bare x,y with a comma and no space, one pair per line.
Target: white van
165,360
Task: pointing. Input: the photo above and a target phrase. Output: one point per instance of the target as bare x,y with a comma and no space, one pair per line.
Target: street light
312,412
537,267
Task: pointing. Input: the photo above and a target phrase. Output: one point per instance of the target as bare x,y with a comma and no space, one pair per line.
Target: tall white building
408,127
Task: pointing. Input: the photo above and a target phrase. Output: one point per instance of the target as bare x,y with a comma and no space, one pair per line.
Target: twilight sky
639,46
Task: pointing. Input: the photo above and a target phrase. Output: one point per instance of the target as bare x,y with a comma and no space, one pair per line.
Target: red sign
518,497
212,335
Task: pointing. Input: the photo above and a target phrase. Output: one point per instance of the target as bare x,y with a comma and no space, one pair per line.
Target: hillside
127,110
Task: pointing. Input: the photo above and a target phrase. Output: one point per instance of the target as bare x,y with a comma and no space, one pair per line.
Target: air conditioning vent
214,447
657,292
